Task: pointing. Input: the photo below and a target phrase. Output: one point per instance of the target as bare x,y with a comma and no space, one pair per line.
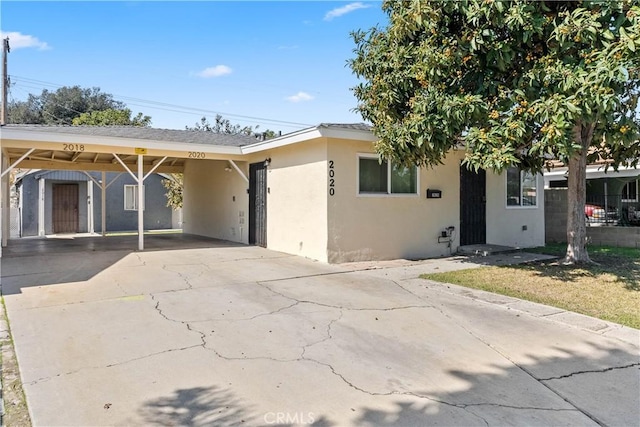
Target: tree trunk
576,198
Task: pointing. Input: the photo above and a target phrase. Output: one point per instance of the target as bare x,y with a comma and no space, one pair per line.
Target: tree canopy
223,125
111,117
513,83
62,106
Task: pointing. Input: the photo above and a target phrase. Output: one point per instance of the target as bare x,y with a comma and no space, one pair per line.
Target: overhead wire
164,106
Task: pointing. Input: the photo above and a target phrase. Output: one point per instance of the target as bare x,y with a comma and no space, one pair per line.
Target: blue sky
277,64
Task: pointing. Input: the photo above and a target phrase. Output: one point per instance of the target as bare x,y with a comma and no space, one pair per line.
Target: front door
473,201
65,208
258,204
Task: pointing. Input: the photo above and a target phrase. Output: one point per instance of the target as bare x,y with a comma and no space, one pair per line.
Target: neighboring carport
137,151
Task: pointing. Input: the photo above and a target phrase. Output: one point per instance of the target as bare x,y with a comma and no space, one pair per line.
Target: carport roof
143,133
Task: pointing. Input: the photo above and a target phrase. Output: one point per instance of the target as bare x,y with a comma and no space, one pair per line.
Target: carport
133,150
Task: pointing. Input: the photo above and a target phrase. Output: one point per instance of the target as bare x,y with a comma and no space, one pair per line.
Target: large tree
111,117
67,103
516,83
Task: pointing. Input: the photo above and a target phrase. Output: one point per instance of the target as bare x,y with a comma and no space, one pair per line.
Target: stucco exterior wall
215,200
377,227
506,225
297,199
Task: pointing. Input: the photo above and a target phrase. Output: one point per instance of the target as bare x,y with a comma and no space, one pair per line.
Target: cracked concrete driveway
221,334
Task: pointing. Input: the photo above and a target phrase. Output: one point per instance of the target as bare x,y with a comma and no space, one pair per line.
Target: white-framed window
522,188
630,191
375,177
131,197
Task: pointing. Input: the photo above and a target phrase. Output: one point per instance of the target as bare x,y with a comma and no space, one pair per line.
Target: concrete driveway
217,334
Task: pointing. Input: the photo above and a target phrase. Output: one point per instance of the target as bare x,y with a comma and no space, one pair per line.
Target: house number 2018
332,180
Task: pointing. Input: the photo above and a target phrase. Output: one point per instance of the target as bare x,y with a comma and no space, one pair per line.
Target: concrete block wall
555,214
625,237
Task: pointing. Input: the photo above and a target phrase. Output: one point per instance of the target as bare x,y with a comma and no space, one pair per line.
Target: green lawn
609,290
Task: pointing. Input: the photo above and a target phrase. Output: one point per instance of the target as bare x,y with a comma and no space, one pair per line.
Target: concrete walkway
217,334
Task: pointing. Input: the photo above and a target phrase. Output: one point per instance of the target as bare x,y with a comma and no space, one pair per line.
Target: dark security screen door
473,212
65,208
258,204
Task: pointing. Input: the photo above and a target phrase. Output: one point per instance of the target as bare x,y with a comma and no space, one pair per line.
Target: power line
29,83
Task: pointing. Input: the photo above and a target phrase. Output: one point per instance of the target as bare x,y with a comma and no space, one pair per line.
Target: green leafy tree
516,83
61,106
112,117
174,185
221,125
29,111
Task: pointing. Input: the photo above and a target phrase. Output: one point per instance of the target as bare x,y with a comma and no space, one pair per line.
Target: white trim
292,138
506,190
637,181
388,193
593,172
136,203
309,134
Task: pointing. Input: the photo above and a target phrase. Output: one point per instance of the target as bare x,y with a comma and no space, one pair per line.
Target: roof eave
309,134
60,137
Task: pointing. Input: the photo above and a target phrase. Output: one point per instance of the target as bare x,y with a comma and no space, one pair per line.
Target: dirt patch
16,412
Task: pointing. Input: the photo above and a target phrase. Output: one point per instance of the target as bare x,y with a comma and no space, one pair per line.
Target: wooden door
65,208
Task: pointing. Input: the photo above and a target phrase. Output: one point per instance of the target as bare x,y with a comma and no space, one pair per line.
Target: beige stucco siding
376,227
297,199
215,200
505,224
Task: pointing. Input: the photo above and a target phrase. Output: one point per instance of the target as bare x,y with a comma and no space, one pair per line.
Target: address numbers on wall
332,179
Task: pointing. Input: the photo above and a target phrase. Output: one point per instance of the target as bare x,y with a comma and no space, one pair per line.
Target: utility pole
5,82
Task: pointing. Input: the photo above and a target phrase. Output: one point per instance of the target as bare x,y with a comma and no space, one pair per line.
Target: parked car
598,214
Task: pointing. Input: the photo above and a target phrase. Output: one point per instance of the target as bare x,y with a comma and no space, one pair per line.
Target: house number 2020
332,179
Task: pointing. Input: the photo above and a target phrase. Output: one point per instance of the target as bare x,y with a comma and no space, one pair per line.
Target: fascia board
300,136
595,172
307,135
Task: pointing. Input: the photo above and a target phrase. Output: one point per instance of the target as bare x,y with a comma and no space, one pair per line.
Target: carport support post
5,202
103,207
140,203
2,214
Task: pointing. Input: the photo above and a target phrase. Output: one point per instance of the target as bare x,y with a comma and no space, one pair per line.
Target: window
521,188
385,178
131,197
630,192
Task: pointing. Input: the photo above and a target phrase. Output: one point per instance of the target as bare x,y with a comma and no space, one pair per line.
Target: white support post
140,202
1,198
90,206
41,191
5,202
103,207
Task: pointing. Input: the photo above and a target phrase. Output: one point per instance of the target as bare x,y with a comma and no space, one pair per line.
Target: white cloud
217,71
299,97
18,41
339,11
